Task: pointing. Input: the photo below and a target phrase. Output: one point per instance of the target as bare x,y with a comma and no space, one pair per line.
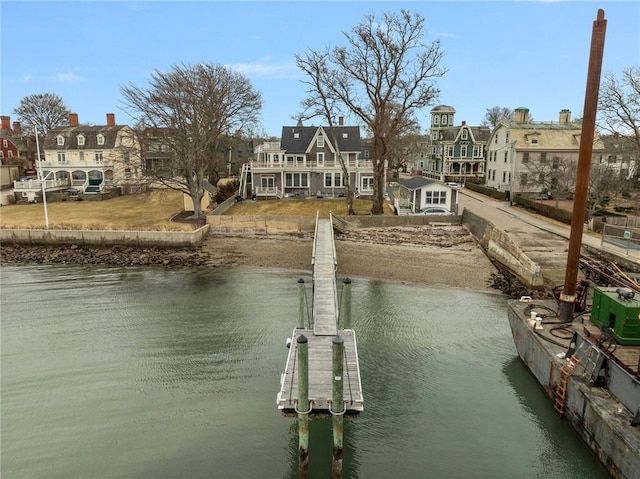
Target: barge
589,368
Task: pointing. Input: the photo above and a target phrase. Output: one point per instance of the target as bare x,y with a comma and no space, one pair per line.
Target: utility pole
42,181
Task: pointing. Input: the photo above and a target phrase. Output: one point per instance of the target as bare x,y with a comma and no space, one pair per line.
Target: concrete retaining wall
376,221
501,248
260,224
105,237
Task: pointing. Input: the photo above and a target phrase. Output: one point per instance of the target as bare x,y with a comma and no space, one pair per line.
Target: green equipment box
617,311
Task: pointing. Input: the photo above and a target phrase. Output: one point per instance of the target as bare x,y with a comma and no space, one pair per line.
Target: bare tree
496,113
196,105
555,174
383,75
619,105
44,111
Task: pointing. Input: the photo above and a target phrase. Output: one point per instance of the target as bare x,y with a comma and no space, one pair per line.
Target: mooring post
303,406
346,303
337,406
302,296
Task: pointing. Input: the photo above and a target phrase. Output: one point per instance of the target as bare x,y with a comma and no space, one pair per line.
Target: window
435,135
320,141
98,157
62,159
465,134
345,135
267,182
556,162
100,139
10,153
463,151
60,140
328,180
81,155
435,197
543,157
320,158
127,172
506,156
366,153
525,157
496,139
450,151
296,180
534,141
80,140
523,179
366,183
444,119
5,144
126,157
296,135
436,120
506,137
1,155
504,176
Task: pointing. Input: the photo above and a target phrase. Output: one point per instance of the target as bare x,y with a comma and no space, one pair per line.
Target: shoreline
442,257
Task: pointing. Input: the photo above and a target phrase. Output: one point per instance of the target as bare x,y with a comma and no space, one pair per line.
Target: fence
622,236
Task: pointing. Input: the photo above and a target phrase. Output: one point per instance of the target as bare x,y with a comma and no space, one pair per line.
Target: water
142,373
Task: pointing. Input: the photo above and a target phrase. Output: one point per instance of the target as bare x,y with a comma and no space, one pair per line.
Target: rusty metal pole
568,295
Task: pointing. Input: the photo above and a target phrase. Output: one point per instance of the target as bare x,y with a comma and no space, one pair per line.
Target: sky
531,54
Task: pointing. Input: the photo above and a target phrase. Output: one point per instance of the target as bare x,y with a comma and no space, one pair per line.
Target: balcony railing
267,191
32,185
309,164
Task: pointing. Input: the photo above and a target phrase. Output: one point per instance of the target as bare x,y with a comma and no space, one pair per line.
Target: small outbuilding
417,193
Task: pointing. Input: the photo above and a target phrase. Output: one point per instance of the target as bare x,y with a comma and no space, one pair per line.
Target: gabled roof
90,133
550,135
348,138
478,133
416,182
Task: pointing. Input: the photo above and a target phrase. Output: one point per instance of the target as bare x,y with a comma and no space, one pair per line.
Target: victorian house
306,162
87,159
516,146
456,153
17,148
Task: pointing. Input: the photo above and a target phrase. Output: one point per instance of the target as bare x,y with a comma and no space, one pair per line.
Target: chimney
464,123
111,119
522,115
17,129
565,116
6,122
341,121
73,119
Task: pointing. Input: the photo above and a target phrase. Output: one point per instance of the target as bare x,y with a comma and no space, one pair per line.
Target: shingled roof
71,133
348,138
416,182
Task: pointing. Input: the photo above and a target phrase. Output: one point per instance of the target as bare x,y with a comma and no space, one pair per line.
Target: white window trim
80,140
60,140
320,158
100,139
320,141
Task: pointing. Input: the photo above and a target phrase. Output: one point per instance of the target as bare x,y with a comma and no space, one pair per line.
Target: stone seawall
501,248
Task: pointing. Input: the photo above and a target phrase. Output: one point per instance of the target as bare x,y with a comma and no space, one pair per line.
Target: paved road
542,239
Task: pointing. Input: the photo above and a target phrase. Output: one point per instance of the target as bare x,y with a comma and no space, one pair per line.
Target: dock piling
302,303
346,303
337,406
303,406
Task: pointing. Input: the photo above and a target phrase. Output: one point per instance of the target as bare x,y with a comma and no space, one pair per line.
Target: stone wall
501,248
105,237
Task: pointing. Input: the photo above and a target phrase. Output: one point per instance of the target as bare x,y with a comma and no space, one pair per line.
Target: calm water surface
143,373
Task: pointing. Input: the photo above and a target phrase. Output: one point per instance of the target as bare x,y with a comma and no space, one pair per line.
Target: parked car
435,210
452,184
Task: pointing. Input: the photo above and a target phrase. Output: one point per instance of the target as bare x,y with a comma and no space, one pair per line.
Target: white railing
266,191
306,164
37,184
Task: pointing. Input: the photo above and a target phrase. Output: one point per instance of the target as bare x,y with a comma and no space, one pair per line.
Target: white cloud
27,77
265,68
67,77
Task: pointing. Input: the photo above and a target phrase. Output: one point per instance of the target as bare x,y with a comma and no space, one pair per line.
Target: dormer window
465,134
60,140
320,141
100,139
296,135
345,135
80,140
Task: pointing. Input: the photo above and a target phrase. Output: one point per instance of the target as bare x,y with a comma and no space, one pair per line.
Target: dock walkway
325,317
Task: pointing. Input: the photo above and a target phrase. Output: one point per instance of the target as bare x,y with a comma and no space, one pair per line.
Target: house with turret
456,152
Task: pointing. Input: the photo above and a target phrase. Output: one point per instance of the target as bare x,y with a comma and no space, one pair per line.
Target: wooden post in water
568,295
337,406
346,303
302,303
303,406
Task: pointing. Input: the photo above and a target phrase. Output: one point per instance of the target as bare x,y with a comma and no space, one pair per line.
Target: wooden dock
324,320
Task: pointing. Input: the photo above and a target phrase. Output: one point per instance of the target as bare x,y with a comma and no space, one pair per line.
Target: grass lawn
153,211
302,207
